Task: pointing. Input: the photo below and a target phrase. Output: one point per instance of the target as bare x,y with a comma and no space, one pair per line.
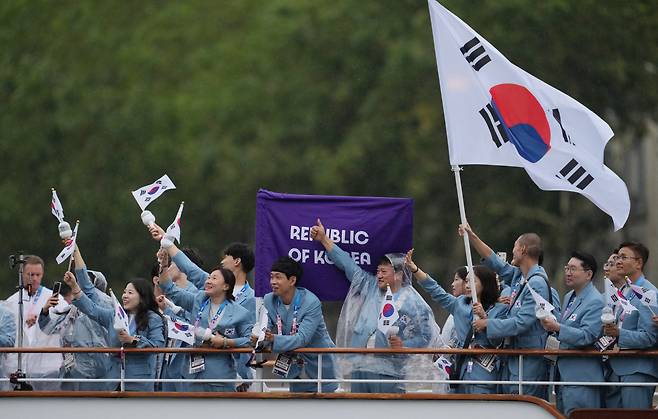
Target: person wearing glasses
634,330
578,327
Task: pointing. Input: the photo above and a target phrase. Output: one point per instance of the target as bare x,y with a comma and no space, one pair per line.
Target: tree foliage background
295,96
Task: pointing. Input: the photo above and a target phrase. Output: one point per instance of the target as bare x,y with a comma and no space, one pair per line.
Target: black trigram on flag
498,134
566,137
575,174
475,54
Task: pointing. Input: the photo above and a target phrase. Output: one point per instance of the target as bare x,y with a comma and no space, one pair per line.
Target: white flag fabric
56,207
149,193
611,294
497,114
121,321
540,302
647,296
174,228
388,314
67,251
180,330
260,327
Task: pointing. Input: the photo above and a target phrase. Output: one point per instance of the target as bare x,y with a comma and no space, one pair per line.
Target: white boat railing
321,352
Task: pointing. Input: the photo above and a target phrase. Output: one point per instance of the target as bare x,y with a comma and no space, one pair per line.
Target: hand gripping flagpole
467,244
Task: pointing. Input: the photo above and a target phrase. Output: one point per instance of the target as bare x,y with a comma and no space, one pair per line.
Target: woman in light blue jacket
219,322
476,367
147,327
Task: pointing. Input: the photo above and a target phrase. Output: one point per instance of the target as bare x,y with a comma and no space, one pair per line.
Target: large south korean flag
498,114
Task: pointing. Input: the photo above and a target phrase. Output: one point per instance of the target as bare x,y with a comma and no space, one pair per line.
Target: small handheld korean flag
67,251
180,330
625,304
56,207
120,317
174,228
611,294
260,327
443,364
388,313
540,302
647,296
149,193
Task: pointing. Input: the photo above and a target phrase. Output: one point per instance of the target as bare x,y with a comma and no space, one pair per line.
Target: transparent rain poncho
78,330
358,321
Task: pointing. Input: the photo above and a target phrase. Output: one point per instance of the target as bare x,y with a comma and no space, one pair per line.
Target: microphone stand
14,378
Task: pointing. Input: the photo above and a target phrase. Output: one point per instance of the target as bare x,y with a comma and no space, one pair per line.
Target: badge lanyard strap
296,304
245,287
35,300
215,319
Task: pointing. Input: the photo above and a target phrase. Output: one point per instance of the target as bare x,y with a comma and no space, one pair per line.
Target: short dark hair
490,290
289,267
194,256
639,249
587,261
243,252
229,279
461,272
533,245
64,289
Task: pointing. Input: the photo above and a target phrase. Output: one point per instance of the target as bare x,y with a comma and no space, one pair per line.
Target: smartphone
57,286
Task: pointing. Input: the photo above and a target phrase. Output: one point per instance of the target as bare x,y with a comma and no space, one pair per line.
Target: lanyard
215,319
37,295
296,305
242,291
567,310
212,321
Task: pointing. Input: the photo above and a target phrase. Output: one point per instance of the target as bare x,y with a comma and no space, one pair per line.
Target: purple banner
365,227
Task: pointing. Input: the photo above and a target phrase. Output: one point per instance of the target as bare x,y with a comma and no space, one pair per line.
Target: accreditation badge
69,361
552,344
197,363
282,365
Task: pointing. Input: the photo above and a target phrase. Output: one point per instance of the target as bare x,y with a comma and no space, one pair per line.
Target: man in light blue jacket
7,338
579,326
634,330
295,320
520,328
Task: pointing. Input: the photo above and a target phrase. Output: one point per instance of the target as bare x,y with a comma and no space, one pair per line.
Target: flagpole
467,245
75,244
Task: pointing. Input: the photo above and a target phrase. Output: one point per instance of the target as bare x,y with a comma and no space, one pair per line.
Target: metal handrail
521,353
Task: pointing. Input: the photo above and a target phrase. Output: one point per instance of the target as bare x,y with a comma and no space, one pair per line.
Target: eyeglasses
625,257
572,269
609,264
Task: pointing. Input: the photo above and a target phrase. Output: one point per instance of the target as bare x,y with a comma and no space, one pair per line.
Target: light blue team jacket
235,323
311,333
580,327
137,365
462,312
7,338
246,298
520,325
636,332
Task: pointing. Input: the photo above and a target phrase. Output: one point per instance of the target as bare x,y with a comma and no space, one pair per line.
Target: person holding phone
76,330
147,327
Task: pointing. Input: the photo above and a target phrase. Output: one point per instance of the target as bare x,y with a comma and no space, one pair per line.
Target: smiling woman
146,329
